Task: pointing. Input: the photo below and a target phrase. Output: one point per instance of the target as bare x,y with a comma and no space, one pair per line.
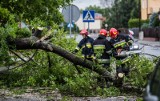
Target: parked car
152,92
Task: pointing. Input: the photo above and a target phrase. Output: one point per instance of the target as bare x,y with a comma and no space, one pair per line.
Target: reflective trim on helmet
103,32
113,33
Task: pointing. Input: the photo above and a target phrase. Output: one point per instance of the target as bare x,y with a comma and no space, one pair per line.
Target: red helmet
103,32
84,32
113,33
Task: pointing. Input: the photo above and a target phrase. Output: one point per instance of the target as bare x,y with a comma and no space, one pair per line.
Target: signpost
71,14
88,16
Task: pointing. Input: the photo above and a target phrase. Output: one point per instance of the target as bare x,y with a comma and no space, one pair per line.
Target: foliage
145,25
135,10
121,13
112,91
141,69
153,20
5,16
6,32
23,32
132,23
97,9
27,9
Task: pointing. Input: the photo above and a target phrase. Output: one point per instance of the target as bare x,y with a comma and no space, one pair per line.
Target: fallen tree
34,43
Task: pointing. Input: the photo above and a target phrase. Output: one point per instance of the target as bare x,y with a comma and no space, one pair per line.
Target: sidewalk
143,42
150,43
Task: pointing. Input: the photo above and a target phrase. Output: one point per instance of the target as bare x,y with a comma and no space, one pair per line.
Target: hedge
133,23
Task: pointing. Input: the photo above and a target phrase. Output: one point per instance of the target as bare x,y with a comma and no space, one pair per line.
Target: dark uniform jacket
102,49
123,41
86,44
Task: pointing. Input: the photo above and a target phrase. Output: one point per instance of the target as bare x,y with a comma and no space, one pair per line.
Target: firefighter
102,48
126,32
86,44
102,51
120,43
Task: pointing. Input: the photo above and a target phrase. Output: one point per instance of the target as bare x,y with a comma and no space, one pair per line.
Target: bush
153,20
145,25
23,32
5,16
132,23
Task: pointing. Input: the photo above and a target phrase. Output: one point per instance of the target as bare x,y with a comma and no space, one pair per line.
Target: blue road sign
70,25
88,16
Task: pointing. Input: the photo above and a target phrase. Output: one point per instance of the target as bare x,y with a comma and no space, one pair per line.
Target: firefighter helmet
84,32
103,32
113,33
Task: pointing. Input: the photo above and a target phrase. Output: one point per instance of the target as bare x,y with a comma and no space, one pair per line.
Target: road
152,48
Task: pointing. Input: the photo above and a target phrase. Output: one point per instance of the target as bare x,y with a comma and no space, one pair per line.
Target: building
148,7
94,27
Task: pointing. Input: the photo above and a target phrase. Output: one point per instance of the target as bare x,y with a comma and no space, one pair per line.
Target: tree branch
32,43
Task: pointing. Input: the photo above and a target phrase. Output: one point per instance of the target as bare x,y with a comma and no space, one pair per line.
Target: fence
148,32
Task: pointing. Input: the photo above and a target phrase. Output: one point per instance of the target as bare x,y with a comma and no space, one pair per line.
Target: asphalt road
149,47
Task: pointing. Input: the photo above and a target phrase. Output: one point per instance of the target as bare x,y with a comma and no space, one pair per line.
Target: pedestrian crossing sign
70,25
88,16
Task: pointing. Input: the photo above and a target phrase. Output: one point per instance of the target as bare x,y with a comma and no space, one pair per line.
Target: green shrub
145,25
5,16
23,32
132,23
153,20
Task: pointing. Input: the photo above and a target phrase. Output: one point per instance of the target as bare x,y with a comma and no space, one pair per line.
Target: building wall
148,7
93,26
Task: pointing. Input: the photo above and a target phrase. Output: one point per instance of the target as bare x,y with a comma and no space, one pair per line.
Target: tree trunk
32,43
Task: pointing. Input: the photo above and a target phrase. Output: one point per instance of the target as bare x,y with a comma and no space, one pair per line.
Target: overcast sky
82,4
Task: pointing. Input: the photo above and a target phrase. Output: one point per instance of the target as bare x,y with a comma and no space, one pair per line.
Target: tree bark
33,43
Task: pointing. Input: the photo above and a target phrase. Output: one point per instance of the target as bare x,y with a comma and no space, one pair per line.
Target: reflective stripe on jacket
119,44
103,61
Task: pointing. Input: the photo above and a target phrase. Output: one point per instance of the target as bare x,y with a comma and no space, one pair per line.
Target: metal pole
88,26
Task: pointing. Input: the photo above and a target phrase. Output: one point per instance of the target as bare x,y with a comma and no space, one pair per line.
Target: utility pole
139,15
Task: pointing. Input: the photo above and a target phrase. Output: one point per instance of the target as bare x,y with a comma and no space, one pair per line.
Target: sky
82,4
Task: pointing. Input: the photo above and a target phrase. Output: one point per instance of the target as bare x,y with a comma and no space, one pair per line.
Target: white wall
92,25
